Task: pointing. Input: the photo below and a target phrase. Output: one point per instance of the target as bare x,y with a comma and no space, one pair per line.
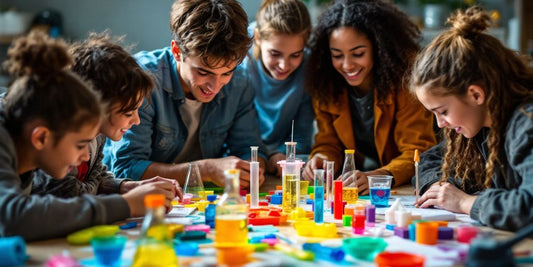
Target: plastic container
364,248
399,259
108,250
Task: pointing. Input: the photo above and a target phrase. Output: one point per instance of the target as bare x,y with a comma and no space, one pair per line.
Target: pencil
417,186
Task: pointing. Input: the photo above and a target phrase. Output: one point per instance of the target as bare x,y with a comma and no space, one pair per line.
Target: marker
417,159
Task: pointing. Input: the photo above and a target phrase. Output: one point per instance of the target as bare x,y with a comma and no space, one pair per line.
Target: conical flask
194,185
349,191
154,247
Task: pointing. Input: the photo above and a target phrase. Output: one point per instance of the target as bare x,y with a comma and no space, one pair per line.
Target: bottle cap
154,200
349,151
211,198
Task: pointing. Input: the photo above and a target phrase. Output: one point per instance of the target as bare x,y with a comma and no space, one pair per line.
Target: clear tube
319,196
254,179
290,152
254,153
330,176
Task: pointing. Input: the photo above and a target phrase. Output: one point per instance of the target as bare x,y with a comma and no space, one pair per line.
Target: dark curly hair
394,41
45,90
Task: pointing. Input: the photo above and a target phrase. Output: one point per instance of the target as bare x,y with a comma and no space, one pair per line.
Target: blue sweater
278,103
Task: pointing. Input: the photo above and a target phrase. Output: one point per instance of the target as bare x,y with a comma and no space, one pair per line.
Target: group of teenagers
88,130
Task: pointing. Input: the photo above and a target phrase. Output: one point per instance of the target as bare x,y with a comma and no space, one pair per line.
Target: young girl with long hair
482,95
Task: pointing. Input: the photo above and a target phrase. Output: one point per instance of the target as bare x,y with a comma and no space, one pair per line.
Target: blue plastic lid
276,199
211,198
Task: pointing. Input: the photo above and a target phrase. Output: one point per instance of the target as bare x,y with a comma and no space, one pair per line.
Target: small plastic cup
108,250
379,189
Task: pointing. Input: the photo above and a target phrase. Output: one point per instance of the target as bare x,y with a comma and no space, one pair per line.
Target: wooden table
41,251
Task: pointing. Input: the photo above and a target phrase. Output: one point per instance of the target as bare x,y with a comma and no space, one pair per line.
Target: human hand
359,179
448,197
316,162
129,185
272,164
135,197
216,167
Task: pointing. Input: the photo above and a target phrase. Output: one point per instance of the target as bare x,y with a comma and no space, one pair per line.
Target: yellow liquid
155,254
231,230
350,195
290,192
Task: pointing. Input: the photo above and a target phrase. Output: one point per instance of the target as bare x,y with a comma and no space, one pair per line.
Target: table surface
41,251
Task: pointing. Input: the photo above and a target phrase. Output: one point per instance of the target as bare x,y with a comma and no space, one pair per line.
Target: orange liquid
231,230
350,194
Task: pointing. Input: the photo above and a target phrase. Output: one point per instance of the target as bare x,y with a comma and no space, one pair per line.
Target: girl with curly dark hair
360,51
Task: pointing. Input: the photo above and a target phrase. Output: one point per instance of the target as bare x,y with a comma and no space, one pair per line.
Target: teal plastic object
12,251
364,248
108,250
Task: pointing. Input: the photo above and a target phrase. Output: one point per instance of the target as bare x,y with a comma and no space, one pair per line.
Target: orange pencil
417,187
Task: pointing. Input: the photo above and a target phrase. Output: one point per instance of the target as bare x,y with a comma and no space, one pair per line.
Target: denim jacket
228,124
508,204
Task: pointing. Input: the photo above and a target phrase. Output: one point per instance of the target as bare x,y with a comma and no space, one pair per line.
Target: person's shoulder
239,80
521,117
153,59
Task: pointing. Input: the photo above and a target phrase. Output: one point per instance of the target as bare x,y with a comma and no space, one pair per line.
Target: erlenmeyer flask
194,185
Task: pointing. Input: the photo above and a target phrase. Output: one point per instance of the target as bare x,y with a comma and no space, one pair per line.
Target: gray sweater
98,179
508,204
45,216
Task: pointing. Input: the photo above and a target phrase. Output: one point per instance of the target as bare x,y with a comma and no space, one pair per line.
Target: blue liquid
210,212
319,204
379,196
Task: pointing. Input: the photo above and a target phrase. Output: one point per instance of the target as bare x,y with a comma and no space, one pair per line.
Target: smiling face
59,158
351,56
281,54
117,123
199,81
464,114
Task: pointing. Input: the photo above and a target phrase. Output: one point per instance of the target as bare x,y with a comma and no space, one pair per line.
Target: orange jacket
401,125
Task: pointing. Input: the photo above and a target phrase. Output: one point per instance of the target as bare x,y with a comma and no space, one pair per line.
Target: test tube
290,152
291,184
338,208
319,196
358,220
254,179
330,174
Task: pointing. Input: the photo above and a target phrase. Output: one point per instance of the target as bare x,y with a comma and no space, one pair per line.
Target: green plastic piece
263,194
310,189
259,247
83,237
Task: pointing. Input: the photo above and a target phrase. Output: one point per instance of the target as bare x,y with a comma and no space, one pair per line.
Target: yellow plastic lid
232,171
154,200
349,151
